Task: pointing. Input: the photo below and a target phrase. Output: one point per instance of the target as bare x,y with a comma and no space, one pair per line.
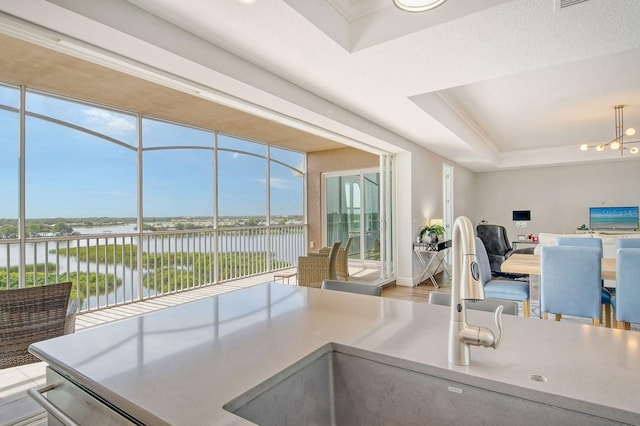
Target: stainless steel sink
340,385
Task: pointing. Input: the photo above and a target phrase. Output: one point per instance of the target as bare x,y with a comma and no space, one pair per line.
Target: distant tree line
59,227
34,230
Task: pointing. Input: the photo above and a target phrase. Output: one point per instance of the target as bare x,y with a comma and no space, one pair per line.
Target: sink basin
341,385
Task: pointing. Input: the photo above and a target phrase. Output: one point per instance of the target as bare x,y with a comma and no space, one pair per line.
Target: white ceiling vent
560,4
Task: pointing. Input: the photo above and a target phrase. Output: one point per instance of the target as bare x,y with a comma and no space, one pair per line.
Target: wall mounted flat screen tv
613,218
521,215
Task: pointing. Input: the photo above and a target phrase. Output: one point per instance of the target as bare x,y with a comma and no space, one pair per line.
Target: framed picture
522,237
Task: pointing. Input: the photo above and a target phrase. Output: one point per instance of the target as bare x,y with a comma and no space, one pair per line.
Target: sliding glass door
371,215
343,206
352,210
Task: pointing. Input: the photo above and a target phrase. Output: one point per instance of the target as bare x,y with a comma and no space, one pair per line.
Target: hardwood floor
419,293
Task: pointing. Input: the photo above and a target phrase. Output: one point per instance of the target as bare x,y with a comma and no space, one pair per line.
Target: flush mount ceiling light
618,142
417,5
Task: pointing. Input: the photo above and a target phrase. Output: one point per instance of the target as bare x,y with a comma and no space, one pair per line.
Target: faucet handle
498,318
482,336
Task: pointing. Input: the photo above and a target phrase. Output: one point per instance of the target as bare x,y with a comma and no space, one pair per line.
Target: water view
103,260
90,173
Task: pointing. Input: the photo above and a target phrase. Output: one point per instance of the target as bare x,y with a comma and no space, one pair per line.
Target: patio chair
316,267
342,262
29,315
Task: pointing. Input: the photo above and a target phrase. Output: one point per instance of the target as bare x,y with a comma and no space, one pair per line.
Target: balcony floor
17,408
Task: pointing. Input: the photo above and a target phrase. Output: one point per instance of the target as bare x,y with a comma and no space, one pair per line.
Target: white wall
419,198
464,193
403,222
558,197
426,191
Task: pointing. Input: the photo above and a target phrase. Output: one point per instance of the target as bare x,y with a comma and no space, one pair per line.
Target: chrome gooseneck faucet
466,285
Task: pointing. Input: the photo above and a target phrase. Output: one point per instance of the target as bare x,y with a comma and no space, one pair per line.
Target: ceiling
39,68
489,84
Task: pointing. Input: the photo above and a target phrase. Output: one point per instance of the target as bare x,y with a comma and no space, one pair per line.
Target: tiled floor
15,406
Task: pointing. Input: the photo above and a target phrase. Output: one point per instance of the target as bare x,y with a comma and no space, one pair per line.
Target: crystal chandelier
417,5
618,142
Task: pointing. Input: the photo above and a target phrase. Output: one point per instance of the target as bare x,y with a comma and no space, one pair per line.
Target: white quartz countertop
181,365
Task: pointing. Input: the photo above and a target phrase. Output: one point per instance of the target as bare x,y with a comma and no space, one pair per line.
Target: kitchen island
181,365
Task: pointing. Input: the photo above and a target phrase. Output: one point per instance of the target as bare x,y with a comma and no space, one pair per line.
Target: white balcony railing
114,269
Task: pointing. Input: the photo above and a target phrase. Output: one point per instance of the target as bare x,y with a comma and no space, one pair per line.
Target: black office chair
496,242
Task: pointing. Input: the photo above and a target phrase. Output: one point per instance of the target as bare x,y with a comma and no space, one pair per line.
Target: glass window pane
286,189
9,163
178,183
9,188
115,124
372,214
290,158
9,96
71,174
242,190
343,209
230,143
157,133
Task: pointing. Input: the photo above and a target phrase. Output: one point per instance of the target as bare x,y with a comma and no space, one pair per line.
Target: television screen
521,215
613,218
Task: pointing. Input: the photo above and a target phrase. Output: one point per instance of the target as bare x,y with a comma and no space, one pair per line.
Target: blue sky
70,173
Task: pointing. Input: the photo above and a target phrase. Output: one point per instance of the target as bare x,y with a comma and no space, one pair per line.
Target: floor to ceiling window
128,206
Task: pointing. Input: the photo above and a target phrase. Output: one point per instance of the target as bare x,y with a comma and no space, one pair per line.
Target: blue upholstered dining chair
597,243
628,242
501,289
626,303
571,282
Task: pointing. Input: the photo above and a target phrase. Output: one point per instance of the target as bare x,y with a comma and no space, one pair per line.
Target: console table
422,250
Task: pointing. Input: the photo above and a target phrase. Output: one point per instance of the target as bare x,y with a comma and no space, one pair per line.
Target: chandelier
618,142
417,5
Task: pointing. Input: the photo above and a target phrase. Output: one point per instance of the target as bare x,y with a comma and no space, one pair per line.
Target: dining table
519,263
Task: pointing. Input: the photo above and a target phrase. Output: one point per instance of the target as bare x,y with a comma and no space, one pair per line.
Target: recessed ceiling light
417,5
247,1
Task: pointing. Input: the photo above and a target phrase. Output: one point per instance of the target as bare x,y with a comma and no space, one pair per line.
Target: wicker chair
316,267
342,262
29,315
